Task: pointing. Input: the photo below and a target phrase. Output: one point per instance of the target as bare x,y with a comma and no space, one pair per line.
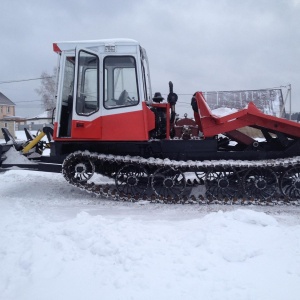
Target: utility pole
290,90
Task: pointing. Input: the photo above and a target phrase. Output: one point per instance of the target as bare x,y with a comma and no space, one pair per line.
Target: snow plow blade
12,159
34,144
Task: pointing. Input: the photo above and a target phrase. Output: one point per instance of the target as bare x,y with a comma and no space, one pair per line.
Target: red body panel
55,131
133,126
129,126
87,130
212,125
56,48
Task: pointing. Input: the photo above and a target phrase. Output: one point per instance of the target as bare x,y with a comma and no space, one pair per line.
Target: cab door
124,115
86,121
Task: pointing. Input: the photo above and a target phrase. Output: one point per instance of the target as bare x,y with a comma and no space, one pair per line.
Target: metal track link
264,182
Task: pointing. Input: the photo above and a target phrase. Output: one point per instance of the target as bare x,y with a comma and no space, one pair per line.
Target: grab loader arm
33,143
212,125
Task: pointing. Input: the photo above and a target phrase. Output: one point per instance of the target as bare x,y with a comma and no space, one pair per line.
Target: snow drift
57,242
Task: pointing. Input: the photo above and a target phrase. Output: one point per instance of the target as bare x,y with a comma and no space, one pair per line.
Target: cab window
120,82
87,100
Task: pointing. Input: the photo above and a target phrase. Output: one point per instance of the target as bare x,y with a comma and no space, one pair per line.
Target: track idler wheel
259,183
290,183
78,168
132,180
168,183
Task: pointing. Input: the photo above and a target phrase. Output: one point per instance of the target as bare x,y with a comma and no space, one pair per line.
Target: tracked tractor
109,123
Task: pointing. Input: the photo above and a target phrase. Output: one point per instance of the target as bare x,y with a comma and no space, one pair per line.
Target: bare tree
47,90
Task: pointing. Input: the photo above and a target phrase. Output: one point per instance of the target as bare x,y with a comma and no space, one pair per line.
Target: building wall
10,125
6,110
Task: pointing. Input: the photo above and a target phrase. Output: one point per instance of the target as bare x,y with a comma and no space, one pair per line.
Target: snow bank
15,157
223,111
57,242
251,217
102,254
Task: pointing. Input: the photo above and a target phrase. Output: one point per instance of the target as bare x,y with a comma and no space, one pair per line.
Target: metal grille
269,101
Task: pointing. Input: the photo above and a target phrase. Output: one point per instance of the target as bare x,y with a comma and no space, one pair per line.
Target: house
7,107
7,113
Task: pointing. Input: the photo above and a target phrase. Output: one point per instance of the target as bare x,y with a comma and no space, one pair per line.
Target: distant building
43,118
7,107
7,114
35,123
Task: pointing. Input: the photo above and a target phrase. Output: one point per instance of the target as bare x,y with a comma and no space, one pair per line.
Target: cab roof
58,47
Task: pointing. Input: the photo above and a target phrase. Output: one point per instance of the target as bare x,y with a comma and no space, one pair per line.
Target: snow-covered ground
57,242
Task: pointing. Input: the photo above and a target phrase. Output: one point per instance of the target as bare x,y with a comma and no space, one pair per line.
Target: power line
22,80
28,101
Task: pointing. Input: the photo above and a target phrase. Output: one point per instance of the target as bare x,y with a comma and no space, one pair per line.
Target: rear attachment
27,154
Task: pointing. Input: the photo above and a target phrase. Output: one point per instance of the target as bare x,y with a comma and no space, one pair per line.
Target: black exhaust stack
172,99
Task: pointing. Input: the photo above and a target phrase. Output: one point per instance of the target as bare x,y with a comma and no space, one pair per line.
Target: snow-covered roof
43,115
13,118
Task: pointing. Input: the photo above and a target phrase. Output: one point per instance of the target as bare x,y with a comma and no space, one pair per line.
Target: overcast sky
197,44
